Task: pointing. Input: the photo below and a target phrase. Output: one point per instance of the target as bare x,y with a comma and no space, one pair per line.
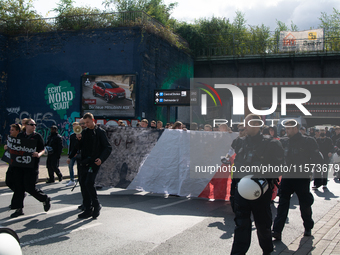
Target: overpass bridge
317,72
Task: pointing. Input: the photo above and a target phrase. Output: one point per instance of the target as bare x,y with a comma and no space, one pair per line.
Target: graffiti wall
43,74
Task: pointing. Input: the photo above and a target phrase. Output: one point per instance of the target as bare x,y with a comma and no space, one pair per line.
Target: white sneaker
70,183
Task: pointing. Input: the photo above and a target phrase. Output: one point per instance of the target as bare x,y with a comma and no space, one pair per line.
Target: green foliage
331,25
17,12
154,8
217,36
75,18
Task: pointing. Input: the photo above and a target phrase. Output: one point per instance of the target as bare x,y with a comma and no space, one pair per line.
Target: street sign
172,97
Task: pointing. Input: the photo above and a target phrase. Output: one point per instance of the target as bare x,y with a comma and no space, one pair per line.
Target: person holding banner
27,168
95,149
10,176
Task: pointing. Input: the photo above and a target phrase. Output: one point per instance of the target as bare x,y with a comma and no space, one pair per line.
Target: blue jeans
70,168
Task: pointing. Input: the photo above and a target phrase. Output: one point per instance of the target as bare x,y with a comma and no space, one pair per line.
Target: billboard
109,95
308,40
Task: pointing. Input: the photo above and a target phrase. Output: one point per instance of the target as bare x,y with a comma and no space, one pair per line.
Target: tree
155,8
14,10
63,6
331,25
20,16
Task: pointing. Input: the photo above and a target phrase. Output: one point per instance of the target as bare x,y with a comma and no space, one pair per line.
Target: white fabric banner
167,167
308,40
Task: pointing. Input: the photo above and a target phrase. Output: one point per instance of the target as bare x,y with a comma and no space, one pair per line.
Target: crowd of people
255,145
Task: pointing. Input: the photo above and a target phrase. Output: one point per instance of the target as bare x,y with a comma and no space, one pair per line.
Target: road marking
6,194
60,234
171,204
69,208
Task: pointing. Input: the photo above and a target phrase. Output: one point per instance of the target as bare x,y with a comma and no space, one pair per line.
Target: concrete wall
38,60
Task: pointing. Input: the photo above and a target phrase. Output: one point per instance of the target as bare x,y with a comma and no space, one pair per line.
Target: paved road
142,223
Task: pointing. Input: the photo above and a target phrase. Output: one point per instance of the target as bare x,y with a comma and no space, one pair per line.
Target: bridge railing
92,21
271,46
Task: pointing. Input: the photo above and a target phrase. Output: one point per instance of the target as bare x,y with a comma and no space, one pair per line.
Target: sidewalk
325,237
43,175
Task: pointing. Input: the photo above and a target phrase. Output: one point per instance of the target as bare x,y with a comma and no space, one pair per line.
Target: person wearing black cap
54,147
303,130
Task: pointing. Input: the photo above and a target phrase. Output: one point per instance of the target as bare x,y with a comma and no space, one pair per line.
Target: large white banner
170,166
308,40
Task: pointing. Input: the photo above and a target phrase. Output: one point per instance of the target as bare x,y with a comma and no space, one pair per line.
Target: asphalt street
134,222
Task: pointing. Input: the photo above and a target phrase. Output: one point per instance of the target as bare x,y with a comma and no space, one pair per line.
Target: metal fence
91,21
271,46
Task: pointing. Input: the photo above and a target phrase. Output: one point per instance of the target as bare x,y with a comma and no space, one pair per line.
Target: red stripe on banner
219,186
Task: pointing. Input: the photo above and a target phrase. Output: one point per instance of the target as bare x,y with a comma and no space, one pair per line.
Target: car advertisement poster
109,95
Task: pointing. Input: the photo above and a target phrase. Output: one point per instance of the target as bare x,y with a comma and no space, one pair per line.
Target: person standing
54,147
71,146
26,178
336,136
95,149
326,148
254,150
144,123
300,150
10,176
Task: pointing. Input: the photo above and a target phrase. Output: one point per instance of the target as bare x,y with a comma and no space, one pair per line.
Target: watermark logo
238,100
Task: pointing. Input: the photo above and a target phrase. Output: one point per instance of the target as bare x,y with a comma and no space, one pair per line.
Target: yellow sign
312,36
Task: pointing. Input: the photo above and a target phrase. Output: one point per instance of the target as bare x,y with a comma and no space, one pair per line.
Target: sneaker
70,183
308,232
276,235
81,207
17,213
47,204
86,214
96,211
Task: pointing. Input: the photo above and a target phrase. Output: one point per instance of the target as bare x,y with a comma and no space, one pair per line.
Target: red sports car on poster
108,90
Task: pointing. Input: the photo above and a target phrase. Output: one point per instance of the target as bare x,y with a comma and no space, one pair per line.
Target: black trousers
263,221
10,178
26,179
321,177
52,165
87,179
306,199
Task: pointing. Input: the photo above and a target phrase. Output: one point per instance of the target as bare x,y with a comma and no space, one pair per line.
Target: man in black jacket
254,150
326,148
95,149
301,154
26,178
54,147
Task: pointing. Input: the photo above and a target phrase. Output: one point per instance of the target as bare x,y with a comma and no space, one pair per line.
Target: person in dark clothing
336,136
72,144
326,148
254,150
10,174
54,147
300,150
26,178
95,149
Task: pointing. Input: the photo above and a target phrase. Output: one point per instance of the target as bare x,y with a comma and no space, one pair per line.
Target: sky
304,13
